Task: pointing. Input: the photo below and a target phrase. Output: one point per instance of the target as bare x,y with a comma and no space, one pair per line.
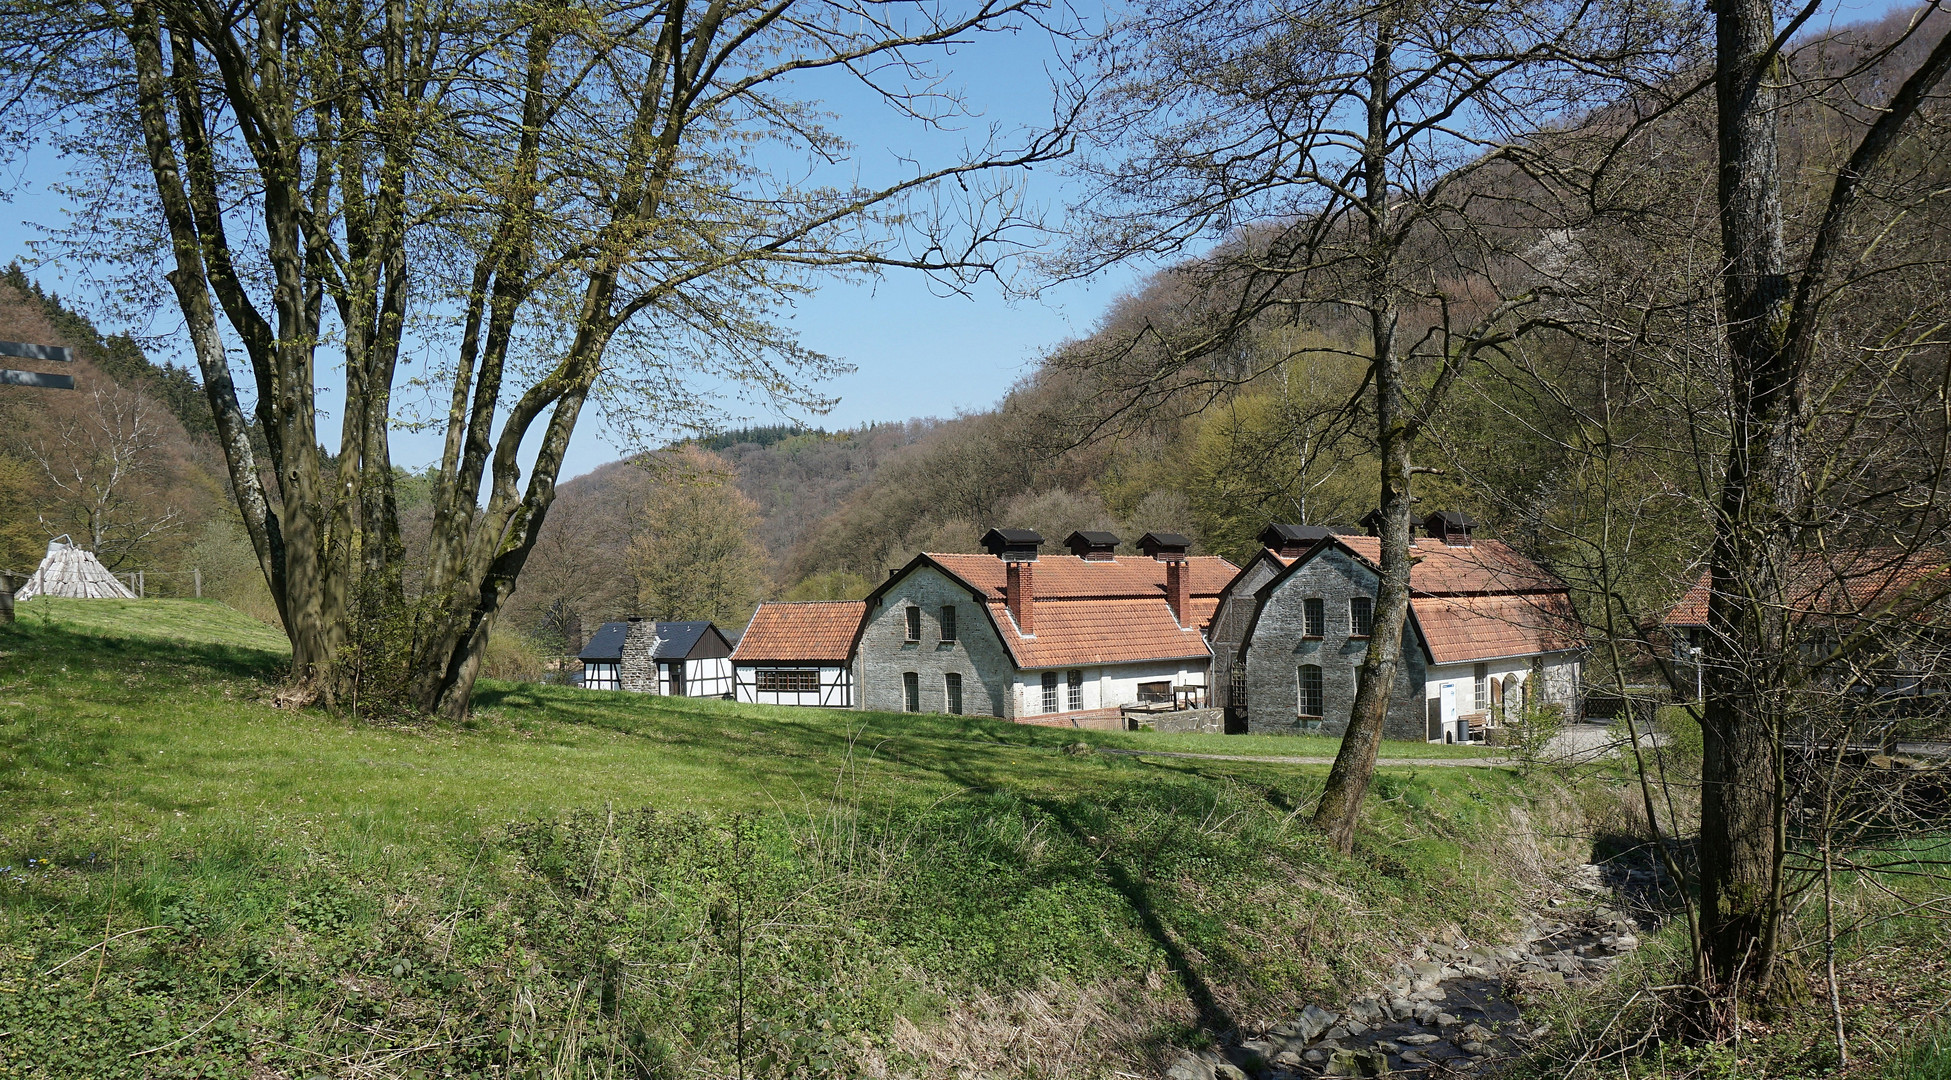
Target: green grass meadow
594,884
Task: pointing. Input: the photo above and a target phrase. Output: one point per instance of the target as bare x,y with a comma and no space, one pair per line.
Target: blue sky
918,353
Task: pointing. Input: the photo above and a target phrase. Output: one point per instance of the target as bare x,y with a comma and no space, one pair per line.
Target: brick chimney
1178,589
1019,594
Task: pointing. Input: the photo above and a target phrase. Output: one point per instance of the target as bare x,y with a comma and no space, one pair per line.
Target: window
1317,616
1049,691
952,684
1236,685
1361,616
1310,701
1483,688
1153,692
911,689
788,681
948,622
601,677
914,624
1076,681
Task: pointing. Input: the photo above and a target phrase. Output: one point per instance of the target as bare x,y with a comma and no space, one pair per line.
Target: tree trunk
1754,528
1341,800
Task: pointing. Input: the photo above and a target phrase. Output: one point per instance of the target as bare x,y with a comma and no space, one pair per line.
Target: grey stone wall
1229,624
885,653
1280,646
638,672
1184,721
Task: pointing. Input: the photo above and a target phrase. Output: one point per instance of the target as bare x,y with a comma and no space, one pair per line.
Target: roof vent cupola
1291,541
1093,546
1164,546
1013,545
1451,527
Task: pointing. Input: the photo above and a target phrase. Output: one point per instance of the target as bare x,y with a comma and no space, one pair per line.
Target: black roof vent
1450,526
1292,540
1093,546
1013,545
1372,521
1164,545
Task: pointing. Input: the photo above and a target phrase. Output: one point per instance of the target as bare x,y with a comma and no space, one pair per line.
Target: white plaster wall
836,688
1106,686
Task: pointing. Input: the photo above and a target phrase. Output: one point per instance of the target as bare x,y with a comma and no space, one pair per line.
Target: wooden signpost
56,353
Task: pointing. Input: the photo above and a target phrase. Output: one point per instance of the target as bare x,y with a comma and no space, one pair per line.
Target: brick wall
979,656
1279,647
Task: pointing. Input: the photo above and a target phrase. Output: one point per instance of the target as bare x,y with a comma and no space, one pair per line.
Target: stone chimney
1178,589
1019,594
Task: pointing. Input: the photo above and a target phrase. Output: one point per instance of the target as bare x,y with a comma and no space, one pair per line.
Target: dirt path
1387,762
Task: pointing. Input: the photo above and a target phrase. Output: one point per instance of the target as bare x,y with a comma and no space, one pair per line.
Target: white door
1449,711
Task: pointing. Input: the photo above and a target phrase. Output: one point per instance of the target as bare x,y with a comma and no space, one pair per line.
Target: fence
173,584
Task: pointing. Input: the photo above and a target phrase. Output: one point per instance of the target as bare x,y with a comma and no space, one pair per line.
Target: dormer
1451,527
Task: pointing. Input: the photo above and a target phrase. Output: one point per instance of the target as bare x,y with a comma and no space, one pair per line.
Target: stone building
1489,631
1280,546
1065,639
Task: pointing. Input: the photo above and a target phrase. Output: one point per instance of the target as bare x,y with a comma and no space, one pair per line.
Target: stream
1452,1009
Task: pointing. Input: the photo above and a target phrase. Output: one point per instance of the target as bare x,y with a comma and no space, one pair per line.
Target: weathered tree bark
1772,321
1341,800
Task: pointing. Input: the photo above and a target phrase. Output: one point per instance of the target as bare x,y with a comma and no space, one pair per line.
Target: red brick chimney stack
1019,594
1178,589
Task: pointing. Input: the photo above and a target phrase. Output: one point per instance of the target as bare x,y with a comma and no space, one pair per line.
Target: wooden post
196,576
6,597
140,588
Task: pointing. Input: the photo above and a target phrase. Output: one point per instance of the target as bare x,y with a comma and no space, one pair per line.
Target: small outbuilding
799,654
73,572
675,659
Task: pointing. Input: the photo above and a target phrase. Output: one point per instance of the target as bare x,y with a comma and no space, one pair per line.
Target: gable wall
1280,646
979,656
1229,624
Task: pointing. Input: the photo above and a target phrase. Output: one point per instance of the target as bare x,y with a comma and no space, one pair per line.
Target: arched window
1310,697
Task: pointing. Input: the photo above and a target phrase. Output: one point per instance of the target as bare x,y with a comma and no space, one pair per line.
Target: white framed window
1049,691
1482,695
788,681
1075,683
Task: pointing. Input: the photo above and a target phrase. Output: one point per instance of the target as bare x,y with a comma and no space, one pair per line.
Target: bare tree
104,472
1367,170
550,201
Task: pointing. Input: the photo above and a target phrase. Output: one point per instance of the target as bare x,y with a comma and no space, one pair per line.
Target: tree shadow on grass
49,648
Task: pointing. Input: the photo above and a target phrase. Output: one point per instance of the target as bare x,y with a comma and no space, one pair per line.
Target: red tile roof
808,632
1438,569
1098,611
1834,583
1068,576
1463,629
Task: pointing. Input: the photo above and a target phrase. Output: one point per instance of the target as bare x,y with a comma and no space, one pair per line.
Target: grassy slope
144,771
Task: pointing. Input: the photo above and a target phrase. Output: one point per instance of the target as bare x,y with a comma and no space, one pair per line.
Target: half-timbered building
675,659
798,654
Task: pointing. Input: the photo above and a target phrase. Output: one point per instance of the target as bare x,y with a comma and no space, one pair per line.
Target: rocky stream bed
1452,1009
